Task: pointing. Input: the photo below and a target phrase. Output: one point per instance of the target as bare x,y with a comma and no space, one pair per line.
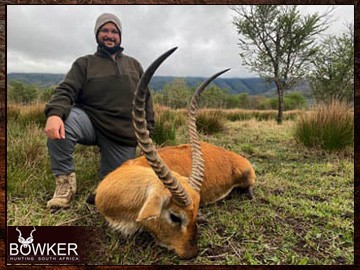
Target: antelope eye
175,219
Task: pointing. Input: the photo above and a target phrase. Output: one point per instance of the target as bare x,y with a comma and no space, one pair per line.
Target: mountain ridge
251,86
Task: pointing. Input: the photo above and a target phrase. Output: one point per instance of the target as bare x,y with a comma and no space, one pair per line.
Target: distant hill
39,79
252,86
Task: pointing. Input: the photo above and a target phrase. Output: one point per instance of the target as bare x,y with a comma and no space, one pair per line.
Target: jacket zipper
116,67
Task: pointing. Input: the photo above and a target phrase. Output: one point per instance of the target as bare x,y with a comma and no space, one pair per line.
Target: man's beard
111,50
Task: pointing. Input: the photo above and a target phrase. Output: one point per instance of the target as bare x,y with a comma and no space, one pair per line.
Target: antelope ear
153,206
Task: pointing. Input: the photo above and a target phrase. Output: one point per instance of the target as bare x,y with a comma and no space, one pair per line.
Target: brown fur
132,198
224,170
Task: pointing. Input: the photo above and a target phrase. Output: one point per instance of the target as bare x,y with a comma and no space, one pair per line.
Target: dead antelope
156,199
224,170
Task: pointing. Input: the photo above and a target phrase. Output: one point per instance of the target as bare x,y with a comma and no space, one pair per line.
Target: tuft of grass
29,113
259,115
166,123
330,127
210,121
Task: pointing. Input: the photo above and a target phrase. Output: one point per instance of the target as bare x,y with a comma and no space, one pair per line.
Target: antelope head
25,242
170,212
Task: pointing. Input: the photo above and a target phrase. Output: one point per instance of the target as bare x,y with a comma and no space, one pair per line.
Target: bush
46,94
21,93
166,123
292,101
210,121
330,127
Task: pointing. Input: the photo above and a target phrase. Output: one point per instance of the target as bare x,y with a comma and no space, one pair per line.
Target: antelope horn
19,232
197,165
180,196
32,232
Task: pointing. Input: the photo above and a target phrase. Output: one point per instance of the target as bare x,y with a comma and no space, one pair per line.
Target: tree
176,94
333,74
21,93
213,97
277,43
293,101
237,101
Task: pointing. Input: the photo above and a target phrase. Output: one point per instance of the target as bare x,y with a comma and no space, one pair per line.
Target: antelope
224,170
136,197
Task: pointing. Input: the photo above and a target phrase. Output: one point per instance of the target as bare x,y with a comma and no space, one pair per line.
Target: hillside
252,86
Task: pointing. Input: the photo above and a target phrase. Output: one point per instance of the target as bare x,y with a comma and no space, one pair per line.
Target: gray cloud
50,38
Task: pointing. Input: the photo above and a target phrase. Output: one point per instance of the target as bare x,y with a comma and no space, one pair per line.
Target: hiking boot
64,192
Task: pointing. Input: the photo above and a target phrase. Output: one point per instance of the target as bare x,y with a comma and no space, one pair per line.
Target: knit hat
105,18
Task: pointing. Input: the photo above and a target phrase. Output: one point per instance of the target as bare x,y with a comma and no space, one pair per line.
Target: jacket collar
103,53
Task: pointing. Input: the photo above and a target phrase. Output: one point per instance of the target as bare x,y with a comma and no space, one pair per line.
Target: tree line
175,95
279,44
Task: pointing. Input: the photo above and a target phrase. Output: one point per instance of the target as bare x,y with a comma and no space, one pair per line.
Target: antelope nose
189,254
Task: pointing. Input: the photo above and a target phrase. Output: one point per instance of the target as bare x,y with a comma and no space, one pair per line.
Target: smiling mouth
109,40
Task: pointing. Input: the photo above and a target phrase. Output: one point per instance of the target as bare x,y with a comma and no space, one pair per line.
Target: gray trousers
79,129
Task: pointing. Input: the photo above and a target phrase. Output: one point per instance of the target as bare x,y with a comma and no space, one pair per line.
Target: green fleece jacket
104,88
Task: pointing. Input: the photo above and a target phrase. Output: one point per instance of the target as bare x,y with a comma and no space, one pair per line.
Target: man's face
109,36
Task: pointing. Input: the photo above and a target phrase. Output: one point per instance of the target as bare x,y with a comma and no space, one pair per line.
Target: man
92,106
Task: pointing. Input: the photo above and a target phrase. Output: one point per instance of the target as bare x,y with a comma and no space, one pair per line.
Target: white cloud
49,38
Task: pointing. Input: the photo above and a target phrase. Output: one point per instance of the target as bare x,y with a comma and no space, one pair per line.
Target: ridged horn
197,165
180,196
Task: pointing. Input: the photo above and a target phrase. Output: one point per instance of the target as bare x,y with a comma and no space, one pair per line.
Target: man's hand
54,128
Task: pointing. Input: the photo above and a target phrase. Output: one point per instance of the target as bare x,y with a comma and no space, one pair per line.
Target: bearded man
92,106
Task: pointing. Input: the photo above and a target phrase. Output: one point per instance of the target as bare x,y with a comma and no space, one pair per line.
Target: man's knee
79,128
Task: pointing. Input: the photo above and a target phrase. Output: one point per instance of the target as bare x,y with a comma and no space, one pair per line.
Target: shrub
238,115
46,94
21,93
330,127
292,101
166,123
210,121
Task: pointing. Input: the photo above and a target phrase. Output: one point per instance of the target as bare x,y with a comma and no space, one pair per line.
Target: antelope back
224,170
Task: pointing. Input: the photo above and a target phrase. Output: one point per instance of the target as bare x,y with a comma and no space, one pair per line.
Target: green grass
303,212
210,121
166,123
329,126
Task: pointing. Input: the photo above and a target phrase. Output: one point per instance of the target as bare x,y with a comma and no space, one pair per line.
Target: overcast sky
49,38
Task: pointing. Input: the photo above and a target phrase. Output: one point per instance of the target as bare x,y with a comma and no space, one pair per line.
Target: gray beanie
105,18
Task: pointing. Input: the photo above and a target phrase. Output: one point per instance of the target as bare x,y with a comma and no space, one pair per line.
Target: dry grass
329,126
303,212
30,113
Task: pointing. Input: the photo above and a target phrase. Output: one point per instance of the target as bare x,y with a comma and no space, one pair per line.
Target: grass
166,123
210,121
330,126
303,212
